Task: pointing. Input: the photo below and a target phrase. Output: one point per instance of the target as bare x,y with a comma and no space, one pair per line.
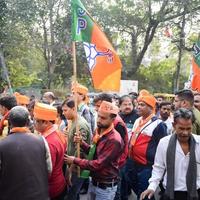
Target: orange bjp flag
195,83
103,61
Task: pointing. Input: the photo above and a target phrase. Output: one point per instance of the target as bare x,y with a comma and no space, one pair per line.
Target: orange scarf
98,136
138,129
20,130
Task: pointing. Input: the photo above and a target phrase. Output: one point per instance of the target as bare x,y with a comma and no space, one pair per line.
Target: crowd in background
108,147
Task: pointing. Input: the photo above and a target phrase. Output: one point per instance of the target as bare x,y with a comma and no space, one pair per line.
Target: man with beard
120,127
127,112
129,115
104,167
177,158
165,112
185,99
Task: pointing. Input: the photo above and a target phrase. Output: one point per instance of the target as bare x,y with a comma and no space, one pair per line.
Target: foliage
159,76
37,41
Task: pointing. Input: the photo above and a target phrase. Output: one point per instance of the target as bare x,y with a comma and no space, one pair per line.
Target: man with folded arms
178,159
104,167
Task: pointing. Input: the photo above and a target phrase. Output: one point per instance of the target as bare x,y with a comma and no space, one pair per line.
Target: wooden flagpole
76,98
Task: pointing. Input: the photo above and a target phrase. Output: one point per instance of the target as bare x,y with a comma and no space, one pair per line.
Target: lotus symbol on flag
92,53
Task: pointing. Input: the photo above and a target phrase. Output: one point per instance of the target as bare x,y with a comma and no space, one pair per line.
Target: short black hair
186,95
60,112
103,97
19,116
184,114
69,103
123,99
160,96
165,103
8,101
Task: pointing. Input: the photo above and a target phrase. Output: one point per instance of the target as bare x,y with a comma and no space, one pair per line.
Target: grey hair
19,116
184,114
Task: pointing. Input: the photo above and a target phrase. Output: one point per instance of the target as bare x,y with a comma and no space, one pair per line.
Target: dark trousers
138,176
74,189
179,195
61,196
123,188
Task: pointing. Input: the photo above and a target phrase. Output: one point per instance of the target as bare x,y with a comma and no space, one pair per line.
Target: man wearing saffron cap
104,167
121,128
44,119
82,100
146,133
22,100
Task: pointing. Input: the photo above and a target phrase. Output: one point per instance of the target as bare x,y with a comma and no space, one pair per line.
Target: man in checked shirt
104,167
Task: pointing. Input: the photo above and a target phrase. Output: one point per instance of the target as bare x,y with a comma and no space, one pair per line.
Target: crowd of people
108,149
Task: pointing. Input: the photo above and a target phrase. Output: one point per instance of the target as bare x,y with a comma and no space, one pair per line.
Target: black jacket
23,168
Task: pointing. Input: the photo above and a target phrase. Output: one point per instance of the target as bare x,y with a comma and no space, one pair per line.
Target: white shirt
181,165
169,125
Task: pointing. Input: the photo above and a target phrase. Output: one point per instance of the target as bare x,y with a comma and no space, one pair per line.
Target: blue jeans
96,193
138,176
73,192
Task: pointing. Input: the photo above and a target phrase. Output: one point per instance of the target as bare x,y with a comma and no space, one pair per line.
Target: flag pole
76,99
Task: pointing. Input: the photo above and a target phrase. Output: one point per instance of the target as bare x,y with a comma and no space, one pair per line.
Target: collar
98,136
20,130
196,138
80,106
50,129
52,103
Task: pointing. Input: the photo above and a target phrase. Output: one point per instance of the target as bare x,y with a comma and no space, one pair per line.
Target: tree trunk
180,54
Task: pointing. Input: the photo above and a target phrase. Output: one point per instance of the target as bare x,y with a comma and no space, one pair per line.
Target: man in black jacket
24,161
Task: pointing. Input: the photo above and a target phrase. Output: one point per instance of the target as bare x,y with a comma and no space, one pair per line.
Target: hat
79,89
108,107
144,92
21,99
45,112
148,99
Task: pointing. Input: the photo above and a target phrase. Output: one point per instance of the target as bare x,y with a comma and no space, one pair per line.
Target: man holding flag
104,166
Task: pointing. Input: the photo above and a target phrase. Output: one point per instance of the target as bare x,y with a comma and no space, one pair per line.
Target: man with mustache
185,99
165,112
177,159
129,114
104,167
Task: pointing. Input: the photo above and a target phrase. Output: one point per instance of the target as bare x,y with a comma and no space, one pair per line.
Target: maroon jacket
120,127
105,165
